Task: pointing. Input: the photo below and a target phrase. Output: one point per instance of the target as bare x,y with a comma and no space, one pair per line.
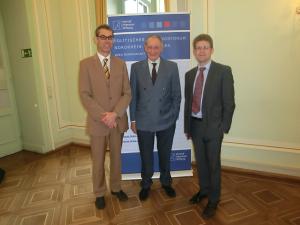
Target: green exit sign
25,53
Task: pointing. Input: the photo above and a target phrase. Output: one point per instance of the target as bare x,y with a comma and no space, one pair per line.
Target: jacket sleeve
176,92
124,101
132,107
186,106
227,99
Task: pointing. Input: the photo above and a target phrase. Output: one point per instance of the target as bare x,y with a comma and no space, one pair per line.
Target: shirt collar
101,57
156,61
207,66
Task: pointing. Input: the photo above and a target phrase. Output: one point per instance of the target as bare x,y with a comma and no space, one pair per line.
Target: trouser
164,147
98,145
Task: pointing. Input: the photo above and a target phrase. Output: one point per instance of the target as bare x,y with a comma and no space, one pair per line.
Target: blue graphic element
180,160
133,23
159,24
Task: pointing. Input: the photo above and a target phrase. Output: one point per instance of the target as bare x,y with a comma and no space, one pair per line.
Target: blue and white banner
130,33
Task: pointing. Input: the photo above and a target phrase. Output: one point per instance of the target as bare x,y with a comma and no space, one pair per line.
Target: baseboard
34,147
262,167
261,174
9,151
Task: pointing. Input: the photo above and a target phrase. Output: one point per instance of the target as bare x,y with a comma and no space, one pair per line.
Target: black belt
196,118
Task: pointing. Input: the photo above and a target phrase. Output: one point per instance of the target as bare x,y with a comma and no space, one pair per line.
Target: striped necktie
105,68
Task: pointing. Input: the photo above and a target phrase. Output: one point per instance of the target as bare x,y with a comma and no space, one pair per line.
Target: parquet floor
56,189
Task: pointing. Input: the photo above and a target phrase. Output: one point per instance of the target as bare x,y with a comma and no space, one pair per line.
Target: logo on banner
116,25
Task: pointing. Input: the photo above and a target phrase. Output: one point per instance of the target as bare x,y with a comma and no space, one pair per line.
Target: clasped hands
109,119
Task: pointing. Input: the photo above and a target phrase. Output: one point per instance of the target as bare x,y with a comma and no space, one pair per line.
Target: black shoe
210,210
121,195
197,197
144,194
100,203
169,191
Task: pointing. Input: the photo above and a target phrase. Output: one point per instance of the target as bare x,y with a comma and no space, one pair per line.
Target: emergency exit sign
25,53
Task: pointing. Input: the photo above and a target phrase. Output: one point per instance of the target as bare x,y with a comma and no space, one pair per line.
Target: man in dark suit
154,109
105,93
208,111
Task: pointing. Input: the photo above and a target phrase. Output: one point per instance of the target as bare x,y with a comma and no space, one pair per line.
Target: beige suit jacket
99,95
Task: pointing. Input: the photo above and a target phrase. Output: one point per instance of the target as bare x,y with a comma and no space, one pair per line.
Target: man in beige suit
105,93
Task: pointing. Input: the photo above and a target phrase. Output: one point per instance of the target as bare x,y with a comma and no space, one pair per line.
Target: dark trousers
164,147
207,153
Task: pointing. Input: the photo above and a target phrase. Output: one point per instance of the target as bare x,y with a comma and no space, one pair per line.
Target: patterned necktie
154,73
198,91
105,68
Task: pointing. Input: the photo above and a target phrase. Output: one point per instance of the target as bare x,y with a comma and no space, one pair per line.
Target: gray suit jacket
218,99
154,107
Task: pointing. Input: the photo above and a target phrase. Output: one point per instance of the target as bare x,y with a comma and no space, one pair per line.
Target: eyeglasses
103,37
202,48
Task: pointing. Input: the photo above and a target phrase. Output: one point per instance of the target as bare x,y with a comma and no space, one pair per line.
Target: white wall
260,40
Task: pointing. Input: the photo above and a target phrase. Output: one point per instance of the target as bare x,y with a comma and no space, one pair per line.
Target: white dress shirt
151,65
101,58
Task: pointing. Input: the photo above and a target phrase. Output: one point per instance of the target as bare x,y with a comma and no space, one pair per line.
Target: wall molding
261,167
271,171
11,151
34,147
236,163
256,144
230,142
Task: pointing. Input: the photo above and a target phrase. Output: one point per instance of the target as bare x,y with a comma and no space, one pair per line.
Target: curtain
101,12
167,5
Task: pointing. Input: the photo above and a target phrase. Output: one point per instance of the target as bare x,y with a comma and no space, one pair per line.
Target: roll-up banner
130,32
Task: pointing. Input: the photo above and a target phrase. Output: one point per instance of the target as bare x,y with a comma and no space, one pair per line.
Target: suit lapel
161,69
99,72
191,80
209,83
162,72
97,65
112,69
146,74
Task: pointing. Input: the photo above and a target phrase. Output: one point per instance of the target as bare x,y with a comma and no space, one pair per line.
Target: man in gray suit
208,111
154,109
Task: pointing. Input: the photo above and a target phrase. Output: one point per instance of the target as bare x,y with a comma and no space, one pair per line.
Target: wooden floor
56,189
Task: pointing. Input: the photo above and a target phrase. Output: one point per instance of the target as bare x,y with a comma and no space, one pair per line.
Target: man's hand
109,119
133,127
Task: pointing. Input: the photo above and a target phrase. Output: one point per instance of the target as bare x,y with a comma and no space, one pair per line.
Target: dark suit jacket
99,95
218,99
154,108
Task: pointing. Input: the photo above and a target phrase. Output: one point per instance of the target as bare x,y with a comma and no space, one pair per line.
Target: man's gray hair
154,36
